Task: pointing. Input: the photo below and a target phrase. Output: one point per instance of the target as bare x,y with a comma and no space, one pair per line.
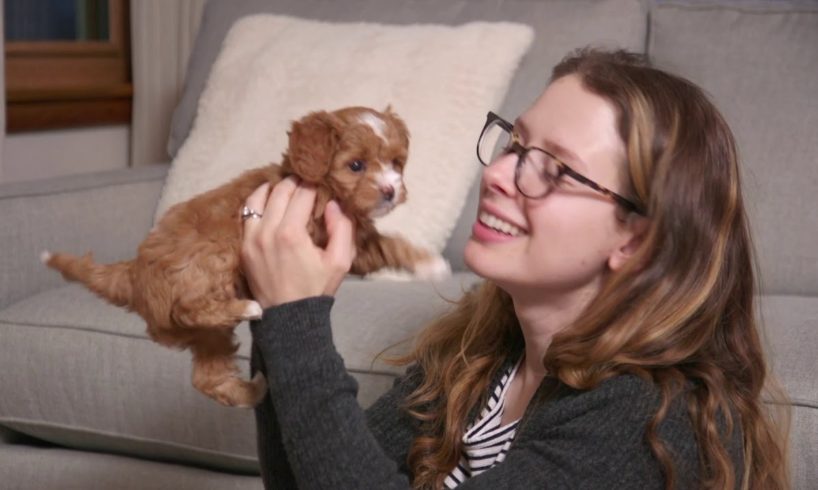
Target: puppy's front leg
397,253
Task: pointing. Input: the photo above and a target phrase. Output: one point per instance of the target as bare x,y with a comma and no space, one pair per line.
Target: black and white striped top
486,441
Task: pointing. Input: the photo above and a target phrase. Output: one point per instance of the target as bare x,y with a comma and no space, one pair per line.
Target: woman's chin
478,259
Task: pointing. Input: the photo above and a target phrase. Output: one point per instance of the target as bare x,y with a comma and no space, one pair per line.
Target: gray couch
87,401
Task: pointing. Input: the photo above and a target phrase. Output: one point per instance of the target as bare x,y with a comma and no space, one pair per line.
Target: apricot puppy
186,281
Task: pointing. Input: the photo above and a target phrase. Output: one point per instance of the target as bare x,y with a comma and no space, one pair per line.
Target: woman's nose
499,176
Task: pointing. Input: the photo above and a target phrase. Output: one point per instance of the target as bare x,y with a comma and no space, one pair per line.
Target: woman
612,344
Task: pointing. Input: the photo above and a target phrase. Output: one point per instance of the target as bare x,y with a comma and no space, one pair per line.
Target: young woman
611,345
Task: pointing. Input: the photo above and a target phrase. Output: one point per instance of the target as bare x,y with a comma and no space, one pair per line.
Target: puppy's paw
253,311
435,268
259,384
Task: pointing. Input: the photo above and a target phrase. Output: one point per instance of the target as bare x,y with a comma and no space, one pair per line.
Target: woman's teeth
496,223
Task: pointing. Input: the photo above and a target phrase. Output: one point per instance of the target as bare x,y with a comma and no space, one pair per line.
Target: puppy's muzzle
388,192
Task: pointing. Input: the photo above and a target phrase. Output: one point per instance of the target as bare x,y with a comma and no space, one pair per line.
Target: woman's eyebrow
557,149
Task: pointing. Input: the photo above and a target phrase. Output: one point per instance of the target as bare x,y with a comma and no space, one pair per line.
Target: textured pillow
273,69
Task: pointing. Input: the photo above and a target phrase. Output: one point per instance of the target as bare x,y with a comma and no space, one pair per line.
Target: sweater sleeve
311,416
275,469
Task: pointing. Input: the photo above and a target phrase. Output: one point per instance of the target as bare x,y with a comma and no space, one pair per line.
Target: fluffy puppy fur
186,281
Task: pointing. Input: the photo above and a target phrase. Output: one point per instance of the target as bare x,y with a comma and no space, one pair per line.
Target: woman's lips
483,233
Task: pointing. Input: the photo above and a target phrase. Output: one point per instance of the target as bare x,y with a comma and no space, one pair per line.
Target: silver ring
247,213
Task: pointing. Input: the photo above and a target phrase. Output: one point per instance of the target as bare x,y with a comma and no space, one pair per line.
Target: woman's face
563,242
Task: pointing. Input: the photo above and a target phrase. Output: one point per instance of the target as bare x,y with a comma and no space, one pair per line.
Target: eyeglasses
537,170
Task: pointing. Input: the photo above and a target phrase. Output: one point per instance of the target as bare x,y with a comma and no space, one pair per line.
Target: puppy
186,281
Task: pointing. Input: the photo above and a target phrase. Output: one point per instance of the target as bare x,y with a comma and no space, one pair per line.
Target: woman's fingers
341,245
300,209
255,202
258,198
279,201
280,260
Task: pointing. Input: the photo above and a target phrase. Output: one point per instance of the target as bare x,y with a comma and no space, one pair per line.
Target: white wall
42,154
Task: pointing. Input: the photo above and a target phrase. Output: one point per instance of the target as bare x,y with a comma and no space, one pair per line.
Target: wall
43,154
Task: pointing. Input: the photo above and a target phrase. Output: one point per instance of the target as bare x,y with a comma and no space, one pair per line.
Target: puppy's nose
388,192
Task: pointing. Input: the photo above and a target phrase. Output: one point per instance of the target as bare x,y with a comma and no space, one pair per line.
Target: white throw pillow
275,69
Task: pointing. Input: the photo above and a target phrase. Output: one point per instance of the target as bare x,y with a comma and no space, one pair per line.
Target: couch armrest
108,213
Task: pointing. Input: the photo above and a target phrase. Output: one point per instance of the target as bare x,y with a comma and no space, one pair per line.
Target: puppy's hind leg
216,374
204,312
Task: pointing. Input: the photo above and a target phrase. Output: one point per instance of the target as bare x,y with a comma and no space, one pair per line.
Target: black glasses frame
562,168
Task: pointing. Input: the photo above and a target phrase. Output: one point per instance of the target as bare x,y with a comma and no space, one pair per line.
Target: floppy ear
313,141
398,123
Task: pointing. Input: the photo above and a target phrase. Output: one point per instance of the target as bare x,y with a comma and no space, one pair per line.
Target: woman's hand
280,260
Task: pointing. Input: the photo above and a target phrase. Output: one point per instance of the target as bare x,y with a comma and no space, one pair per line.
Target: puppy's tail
110,281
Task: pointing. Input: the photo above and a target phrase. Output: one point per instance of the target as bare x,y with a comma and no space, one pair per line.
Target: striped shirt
486,441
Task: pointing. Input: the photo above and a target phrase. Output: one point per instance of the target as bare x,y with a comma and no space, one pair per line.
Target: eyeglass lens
493,142
536,172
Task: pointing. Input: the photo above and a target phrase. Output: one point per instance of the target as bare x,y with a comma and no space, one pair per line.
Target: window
67,64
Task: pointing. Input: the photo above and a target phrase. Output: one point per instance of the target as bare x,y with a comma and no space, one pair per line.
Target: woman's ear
313,142
635,229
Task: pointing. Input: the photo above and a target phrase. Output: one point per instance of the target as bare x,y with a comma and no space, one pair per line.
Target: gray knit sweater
313,434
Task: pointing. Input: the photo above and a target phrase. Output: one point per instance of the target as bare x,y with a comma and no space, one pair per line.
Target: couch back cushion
791,336
759,62
560,26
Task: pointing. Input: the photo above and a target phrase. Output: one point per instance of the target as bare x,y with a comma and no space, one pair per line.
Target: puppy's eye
357,165
397,162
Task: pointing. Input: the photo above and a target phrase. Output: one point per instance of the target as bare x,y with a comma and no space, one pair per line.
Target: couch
87,401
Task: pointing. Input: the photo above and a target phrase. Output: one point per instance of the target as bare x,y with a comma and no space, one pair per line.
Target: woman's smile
491,226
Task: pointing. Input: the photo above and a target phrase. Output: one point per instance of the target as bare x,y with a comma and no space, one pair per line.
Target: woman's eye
357,166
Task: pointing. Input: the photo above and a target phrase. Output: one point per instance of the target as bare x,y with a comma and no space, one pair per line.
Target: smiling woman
67,67
607,344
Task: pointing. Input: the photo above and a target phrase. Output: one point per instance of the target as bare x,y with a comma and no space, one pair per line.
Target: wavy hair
680,313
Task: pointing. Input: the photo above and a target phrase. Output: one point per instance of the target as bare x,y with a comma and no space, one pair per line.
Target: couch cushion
38,467
759,61
790,331
86,376
560,25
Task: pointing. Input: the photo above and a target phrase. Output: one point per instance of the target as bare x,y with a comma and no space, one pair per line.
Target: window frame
67,84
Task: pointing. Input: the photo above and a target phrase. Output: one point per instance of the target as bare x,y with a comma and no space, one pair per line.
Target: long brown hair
680,313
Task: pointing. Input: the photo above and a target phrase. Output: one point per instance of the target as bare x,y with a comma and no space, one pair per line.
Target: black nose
388,192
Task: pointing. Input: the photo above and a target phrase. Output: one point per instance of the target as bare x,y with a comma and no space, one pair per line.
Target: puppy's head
357,152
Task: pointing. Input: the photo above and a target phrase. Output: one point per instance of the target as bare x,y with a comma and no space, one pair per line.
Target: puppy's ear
396,120
313,141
